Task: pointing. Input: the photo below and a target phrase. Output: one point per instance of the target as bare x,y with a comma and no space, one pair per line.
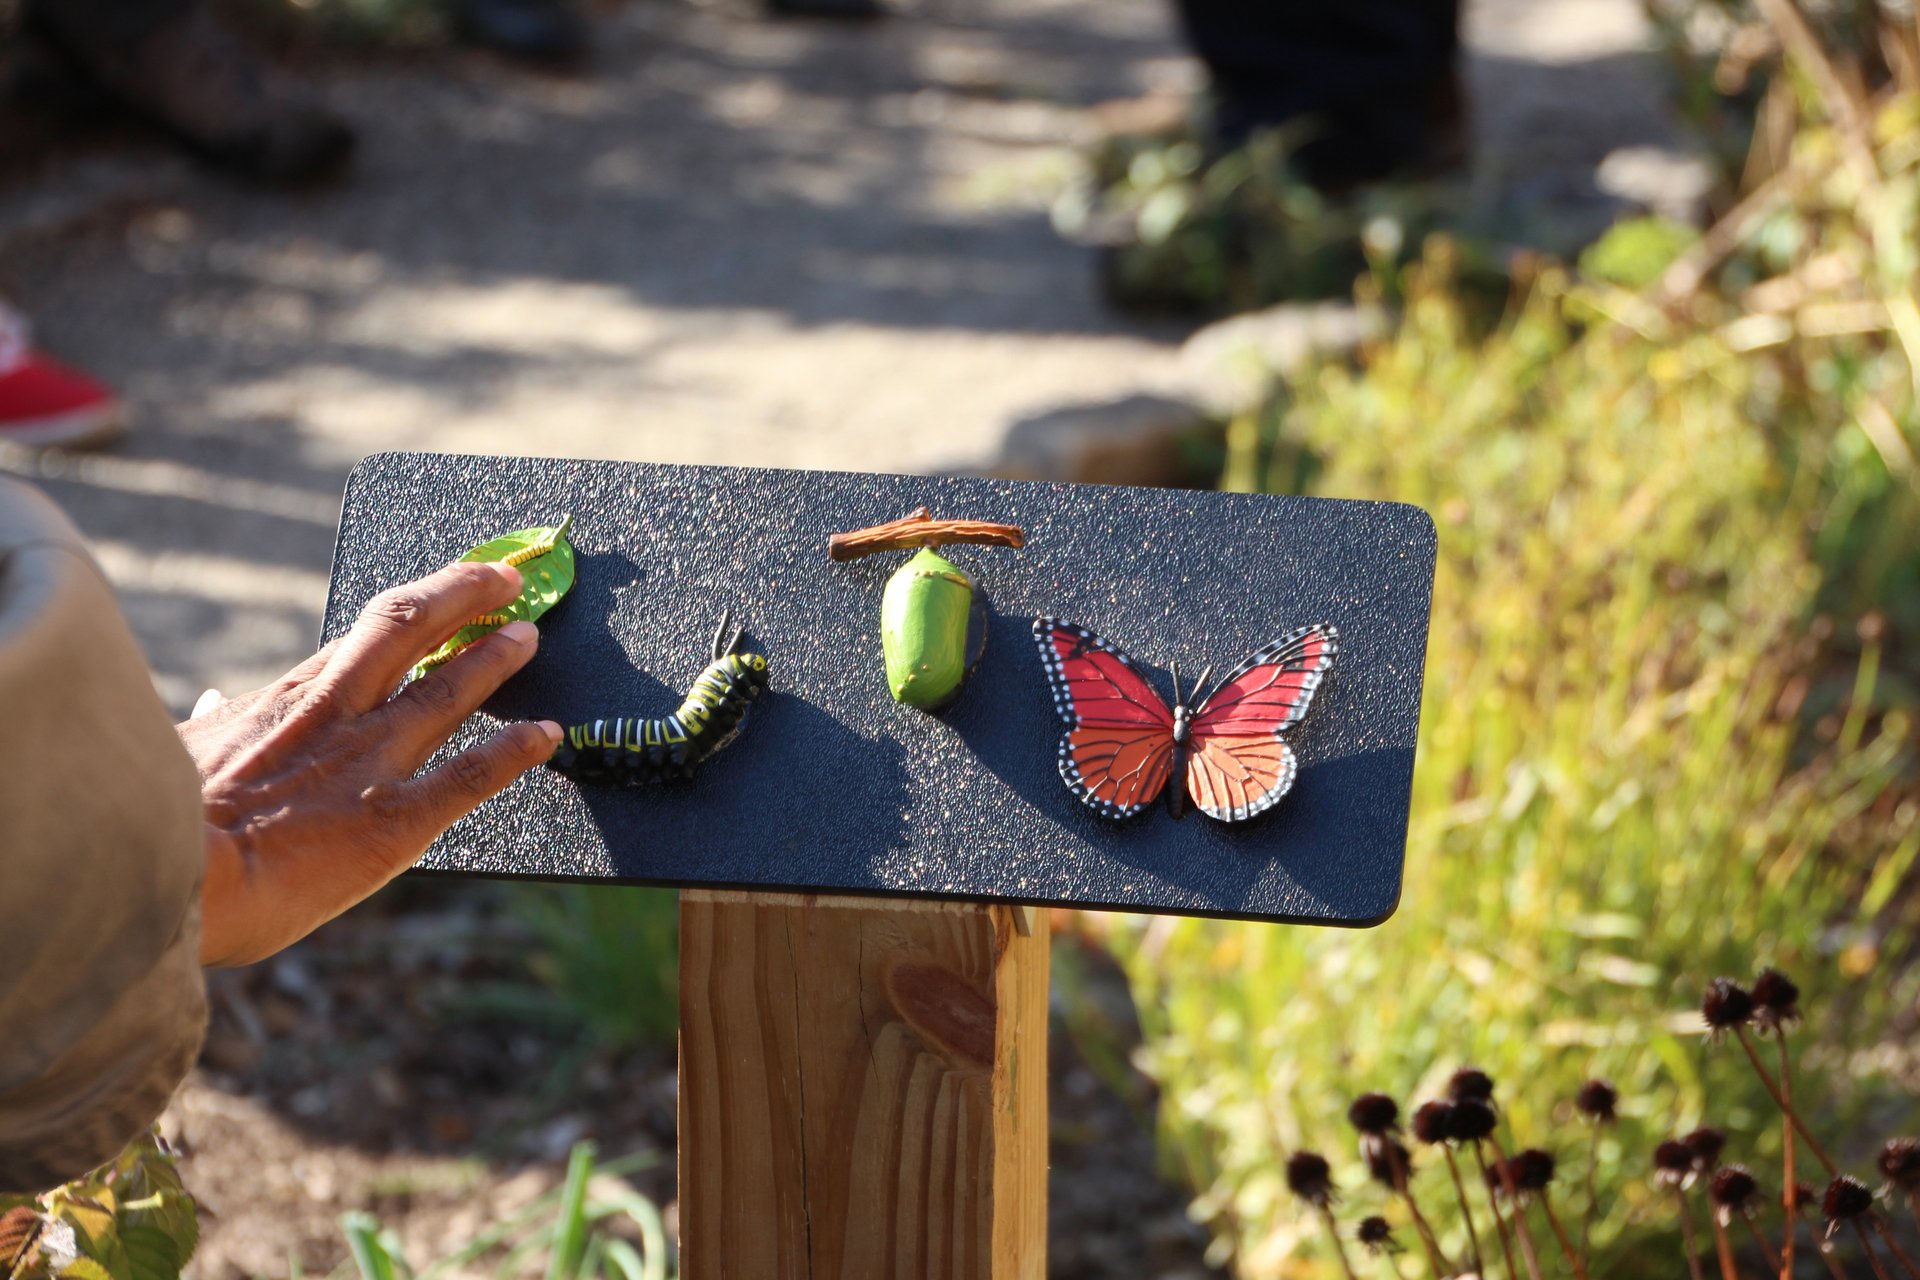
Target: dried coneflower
1472,1120
1389,1163
1705,1145
1433,1124
1733,1189
1310,1177
1470,1083
1503,1178
1596,1101
1847,1199
1727,1006
1735,1193
1376,1233
1673,1163
1776,999
1900,1162
1374,1114
1532,1172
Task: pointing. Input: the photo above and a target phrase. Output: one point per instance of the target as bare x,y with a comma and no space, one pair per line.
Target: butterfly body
1124,744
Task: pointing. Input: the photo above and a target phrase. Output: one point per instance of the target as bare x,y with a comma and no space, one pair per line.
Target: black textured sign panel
832,786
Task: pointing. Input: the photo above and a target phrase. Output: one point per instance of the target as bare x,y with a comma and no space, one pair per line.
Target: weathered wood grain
863,1089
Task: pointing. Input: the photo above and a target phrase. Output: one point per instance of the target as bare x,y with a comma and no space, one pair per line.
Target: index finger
401,626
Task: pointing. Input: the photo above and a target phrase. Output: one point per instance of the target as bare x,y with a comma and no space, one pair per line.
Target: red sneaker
44,403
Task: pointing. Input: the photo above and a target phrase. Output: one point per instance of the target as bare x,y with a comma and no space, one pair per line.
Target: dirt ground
396,1063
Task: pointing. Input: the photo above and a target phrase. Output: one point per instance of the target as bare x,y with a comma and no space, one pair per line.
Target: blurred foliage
1185,231
592,1227
1669,718
608,958
128,1220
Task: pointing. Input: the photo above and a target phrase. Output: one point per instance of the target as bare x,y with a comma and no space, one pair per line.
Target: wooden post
863,1088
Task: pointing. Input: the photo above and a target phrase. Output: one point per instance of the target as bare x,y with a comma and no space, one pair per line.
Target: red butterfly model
1122,743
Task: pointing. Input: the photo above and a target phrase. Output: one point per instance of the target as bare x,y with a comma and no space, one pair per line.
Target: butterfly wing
1237,766
1117,753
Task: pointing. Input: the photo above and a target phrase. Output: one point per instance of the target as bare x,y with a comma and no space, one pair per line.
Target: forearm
101,844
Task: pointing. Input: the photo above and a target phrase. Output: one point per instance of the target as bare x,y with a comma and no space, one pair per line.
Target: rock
1660,180
1135,440
1231,366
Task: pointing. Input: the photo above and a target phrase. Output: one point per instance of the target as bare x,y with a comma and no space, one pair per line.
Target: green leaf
85,1269
570,1228
370,1253
545,559
152,1254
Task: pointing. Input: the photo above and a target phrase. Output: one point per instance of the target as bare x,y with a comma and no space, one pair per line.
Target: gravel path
734,240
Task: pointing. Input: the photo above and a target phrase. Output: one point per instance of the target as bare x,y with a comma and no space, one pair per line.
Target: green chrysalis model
924,616
545,560
933,619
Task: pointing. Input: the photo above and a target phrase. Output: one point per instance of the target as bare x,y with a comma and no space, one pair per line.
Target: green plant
586,1229
1669,710
1190,232
611,957
127,1220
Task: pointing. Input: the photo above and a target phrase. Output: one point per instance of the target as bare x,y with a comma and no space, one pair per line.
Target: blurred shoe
546,31
1419,131
193,78
44,403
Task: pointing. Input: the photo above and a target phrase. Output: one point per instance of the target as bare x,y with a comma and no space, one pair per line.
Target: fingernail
520,631
554,731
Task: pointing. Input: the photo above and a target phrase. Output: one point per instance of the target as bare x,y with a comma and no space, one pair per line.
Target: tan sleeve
102,1003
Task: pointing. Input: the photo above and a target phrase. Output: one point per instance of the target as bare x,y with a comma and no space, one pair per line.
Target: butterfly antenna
1205,674
1176,683
721,645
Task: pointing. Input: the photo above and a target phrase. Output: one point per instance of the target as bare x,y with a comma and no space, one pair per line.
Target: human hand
308,783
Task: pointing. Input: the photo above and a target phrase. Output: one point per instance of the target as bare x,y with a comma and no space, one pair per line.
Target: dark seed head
1532,1169
1470,1082
1388,1161
1805,1196
1727,1005
1377,1234
1734,1188
1433,1121
1899,1160
1672,1162
1846,1197
1497,1174
1473,1119
1705,1145
1310,1177
1777,998
1596,1100
1374,1113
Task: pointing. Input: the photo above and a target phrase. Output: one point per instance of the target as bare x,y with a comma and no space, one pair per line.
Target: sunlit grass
1615,795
